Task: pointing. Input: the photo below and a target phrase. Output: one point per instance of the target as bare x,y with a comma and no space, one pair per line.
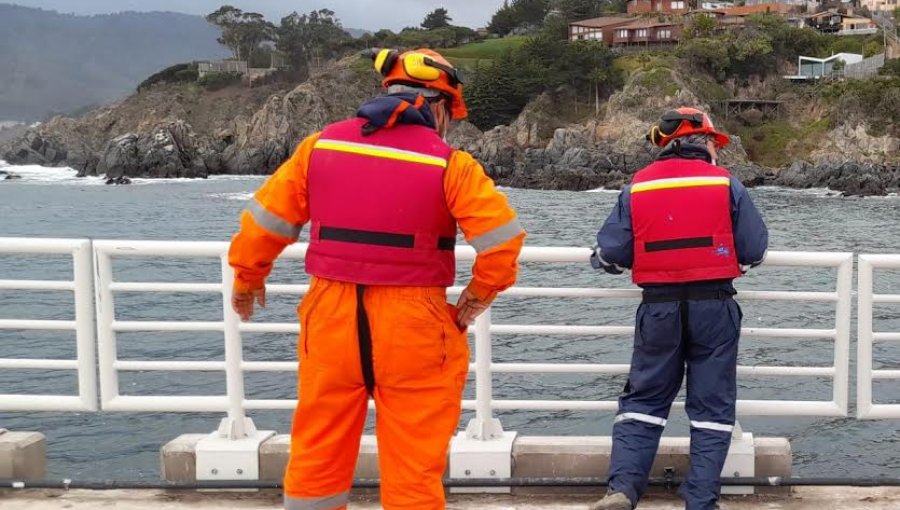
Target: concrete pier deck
804,498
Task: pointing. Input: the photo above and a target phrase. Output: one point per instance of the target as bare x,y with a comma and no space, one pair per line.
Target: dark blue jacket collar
393,109
685,151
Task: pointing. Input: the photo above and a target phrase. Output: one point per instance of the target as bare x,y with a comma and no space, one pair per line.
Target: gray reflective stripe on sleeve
711,425
641,417
603,261
497,236
271,222
324,503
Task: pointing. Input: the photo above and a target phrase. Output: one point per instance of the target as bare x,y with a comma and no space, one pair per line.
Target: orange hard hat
683,122
423,68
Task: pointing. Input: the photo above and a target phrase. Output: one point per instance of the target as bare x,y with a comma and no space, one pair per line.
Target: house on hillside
597,29
713,5
731,18
647,32
790,3
880,5
837,23
222,66
811,68
658,6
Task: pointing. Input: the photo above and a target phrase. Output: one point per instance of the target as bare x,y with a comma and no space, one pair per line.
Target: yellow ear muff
655,136
385,61
416,67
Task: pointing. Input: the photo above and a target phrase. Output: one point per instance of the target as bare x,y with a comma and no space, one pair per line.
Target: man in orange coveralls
384,194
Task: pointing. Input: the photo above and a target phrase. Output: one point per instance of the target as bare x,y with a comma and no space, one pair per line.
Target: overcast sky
366,14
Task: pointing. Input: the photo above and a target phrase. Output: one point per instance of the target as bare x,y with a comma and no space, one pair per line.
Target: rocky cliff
538,151
183,131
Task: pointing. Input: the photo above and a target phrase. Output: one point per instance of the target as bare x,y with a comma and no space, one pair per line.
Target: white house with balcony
812,68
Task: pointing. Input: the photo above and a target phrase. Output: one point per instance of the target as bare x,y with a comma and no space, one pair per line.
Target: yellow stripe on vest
680,182
377,151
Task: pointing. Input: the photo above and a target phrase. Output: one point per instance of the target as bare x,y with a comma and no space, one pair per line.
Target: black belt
349,235
687,295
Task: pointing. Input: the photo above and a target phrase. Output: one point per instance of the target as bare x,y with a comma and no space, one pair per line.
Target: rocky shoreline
167,135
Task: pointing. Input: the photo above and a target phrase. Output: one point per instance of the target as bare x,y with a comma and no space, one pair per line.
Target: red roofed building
596,29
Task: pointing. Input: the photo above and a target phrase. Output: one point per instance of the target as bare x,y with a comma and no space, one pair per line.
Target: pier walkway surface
803,498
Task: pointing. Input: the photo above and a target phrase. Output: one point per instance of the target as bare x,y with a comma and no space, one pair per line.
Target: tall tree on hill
310,38
574,10
242,32
438,18
518,13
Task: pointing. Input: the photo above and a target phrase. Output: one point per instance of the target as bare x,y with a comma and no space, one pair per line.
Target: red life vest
377,209
681,218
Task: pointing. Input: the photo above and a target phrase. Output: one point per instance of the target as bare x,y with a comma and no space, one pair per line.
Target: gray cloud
366,14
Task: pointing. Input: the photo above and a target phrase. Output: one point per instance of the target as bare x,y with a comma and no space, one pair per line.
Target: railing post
843,311
864,339
232,452
484,426
236,425
106,337
484,450
85,333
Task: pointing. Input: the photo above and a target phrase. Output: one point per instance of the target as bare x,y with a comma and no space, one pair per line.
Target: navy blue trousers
700,337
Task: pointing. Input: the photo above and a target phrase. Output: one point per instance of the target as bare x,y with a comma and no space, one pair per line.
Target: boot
613,501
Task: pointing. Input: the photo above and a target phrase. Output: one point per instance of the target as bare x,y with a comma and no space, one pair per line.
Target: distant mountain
57,63
357,32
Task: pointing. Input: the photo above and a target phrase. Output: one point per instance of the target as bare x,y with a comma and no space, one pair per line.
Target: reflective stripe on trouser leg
657,369
324,503
331,410
711,396
421,361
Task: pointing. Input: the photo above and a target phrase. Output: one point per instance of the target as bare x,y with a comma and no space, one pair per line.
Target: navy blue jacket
615,240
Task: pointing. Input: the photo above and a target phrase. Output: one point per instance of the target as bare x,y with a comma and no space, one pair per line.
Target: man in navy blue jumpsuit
665,228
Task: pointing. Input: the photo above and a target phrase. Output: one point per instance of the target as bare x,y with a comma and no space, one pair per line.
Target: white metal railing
82,323
234,402
866,337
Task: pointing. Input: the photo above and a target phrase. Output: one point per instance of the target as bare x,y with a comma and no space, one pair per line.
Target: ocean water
54,203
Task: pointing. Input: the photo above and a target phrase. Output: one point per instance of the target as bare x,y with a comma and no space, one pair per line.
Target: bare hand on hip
470,307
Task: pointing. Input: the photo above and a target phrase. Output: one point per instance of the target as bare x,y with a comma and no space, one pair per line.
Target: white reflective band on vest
324,503
680,182
497,236
272,222
711,425
644,418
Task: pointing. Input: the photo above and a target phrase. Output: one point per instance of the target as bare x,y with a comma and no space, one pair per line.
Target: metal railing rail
82,323
866,337
235,403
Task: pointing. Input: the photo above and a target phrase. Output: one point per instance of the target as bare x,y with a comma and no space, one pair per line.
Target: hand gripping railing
866,337
82,323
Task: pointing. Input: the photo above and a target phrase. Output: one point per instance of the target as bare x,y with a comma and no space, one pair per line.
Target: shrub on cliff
875,102
217,81
502,88
179,73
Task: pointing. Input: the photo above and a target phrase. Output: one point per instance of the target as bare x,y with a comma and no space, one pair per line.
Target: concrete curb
532,456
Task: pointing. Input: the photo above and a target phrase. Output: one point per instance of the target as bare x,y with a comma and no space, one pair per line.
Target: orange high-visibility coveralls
420,356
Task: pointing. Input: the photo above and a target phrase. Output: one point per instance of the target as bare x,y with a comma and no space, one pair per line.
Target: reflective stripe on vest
377,207
680,182
681,218
380,152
